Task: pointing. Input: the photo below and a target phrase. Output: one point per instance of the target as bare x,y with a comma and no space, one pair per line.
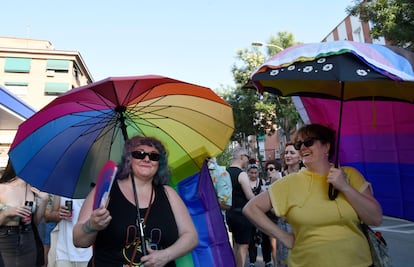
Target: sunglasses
142,154
270,169
307,142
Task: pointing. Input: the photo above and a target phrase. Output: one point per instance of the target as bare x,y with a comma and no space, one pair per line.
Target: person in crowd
139,197
325,232
21,209
273,170
239,225
291,164
291,160
256,184
65,213
273,173
222,183
45,228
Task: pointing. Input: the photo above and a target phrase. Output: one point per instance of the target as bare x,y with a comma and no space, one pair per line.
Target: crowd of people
282,206
287,211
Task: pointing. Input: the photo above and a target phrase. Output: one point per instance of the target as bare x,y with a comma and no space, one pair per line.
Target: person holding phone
21,210
65,212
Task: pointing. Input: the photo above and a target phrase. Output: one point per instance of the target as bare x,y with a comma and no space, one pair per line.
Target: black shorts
240,226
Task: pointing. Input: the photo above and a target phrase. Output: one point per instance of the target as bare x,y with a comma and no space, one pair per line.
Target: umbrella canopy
62,147
341,70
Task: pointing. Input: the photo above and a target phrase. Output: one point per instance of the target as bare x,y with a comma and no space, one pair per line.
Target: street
399,235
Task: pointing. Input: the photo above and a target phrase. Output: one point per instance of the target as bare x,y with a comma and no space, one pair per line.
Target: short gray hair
238,151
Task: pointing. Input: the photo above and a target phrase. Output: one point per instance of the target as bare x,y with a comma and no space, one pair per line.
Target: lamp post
268,45
279,134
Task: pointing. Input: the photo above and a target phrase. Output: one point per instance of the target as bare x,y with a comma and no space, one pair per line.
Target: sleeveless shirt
238,197
114,245
257,189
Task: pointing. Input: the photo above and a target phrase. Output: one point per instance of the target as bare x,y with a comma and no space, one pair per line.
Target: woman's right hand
64,213
100,218
288,240
22,211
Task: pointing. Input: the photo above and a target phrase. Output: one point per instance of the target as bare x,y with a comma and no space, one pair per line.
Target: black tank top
115,243
256,190
238,198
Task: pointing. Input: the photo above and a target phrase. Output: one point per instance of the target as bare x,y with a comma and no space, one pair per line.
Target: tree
259,114
391,19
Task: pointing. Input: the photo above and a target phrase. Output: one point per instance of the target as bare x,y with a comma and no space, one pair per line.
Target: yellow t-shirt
326,231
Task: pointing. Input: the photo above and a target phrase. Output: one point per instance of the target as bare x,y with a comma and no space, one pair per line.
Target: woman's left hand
337,178
155,258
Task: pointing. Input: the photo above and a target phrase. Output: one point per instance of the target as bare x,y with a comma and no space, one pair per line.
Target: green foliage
392,19
256,114
224,158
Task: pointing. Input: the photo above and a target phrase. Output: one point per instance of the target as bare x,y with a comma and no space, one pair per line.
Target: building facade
36,73
353,29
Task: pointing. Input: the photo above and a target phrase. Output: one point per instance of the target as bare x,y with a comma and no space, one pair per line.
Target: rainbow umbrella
341,70
62,147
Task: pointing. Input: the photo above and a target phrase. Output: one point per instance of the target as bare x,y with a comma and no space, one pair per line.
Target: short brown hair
323,133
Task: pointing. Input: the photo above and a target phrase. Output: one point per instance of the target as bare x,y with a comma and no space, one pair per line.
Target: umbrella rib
104,119
128,95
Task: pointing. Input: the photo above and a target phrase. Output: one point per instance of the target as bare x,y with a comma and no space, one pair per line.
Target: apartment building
35,73
351,28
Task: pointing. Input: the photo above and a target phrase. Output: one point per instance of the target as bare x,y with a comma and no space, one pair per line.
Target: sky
190,40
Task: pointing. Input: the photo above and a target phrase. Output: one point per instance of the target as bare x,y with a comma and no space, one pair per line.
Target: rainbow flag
214,248
377,139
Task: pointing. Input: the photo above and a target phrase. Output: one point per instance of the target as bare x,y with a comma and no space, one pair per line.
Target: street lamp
268,45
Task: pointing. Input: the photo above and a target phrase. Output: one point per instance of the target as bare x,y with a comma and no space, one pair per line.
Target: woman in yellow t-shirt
325,232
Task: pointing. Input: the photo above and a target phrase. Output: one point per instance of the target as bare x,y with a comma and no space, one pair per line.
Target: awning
13,111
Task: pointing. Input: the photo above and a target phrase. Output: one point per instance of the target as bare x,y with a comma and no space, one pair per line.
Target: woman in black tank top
139,194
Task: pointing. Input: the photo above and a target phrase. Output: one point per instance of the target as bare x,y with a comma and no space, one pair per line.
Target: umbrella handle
332,193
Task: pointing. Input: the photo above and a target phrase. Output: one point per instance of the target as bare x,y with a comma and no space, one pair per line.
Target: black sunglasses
142,154
307,142
270,169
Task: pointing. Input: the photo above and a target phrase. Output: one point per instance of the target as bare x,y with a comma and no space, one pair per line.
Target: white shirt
65,250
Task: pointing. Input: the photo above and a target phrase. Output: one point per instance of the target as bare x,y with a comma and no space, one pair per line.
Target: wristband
86,227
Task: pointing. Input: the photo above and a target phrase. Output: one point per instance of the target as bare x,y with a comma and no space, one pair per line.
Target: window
17,88
357,35
76,71
19,65
56,88
57,65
